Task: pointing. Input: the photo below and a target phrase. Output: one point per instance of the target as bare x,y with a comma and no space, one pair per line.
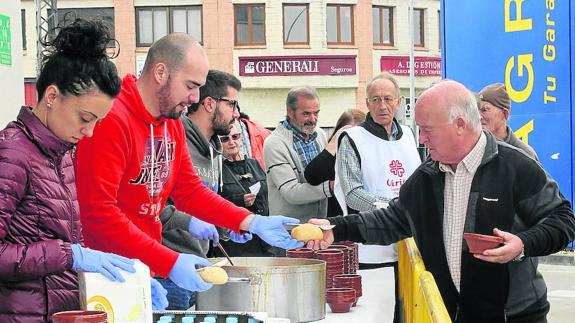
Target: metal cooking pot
283,287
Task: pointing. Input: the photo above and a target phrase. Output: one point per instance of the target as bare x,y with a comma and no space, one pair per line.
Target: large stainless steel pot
283,287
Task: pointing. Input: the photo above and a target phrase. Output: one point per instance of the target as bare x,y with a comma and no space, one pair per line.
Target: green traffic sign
5,41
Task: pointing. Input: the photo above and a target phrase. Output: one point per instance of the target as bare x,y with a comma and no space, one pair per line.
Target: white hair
466,107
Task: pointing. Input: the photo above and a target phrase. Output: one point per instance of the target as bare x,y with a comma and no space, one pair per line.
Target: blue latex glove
203,231
106,264
240,238
184,273
159,296
271,230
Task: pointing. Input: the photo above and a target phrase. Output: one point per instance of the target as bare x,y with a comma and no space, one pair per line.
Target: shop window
153,23
339,24
382,19
419,27
296,24
250,25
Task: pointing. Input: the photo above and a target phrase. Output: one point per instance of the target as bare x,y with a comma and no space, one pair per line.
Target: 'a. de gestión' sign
297,65
399,65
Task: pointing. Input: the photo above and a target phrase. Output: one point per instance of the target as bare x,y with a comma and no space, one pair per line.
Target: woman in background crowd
244,184
40,231
322,168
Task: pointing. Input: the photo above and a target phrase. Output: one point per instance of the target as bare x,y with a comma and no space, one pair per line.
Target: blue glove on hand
106,264
240,238
203,231
184,273
271,230
159,299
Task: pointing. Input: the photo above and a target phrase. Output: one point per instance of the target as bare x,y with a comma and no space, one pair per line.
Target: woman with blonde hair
244,184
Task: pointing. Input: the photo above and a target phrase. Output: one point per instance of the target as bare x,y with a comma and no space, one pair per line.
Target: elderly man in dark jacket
472,183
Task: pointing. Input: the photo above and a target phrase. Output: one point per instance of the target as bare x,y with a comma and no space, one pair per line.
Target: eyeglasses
378,100
235,104
224,139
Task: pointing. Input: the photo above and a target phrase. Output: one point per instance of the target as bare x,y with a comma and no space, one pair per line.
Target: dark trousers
536,313
178,298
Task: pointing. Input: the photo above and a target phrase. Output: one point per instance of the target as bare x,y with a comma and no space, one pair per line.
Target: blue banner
526,45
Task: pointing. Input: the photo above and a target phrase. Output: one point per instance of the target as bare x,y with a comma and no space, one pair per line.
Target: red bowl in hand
478,243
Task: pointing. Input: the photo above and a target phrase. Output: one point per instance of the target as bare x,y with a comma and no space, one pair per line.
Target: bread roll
307,231
214,275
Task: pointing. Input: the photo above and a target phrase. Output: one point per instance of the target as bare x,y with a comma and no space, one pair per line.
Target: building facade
273,45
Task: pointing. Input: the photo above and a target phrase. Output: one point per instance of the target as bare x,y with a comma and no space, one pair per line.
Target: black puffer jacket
237,177
510,191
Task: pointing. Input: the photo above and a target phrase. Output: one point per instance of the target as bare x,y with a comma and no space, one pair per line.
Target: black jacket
237,177
510,191
319,170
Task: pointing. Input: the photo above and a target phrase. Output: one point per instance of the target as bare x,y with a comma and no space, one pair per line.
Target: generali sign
297,65
423,66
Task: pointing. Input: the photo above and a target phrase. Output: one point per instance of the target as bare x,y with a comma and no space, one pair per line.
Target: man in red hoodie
138,157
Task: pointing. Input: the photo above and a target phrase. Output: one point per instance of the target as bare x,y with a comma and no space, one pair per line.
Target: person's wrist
521,255
76,253
246,223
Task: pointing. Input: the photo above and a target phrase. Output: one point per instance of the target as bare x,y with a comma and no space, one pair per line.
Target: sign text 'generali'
297,65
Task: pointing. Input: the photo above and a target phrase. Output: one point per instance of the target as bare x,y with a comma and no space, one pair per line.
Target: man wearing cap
495,109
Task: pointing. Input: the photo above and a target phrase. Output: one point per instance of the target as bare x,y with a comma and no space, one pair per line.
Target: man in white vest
373,160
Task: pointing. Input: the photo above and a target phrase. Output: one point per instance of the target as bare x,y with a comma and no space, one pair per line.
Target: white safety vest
385,166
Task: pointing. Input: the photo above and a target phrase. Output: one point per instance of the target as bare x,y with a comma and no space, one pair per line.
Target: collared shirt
306,149
359,199
455,199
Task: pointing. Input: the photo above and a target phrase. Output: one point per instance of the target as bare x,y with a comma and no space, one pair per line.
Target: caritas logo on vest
396,168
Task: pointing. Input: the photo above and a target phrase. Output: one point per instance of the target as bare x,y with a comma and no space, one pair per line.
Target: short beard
219,128
301,127
164,102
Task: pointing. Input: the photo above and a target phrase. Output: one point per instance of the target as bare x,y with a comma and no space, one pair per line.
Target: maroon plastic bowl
478,243
340,293
80,317
339,307
300,253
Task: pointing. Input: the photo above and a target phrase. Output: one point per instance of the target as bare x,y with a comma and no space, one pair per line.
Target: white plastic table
377,303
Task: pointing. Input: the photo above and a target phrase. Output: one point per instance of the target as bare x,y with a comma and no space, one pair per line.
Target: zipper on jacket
456,313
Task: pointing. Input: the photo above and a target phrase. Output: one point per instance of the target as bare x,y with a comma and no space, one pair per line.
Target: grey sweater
515,142
175,223
289,193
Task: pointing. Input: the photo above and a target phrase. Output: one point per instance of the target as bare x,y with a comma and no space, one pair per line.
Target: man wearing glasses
373,160
204,121
495,110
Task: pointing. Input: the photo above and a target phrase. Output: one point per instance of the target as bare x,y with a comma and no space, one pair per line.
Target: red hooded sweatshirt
125,173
